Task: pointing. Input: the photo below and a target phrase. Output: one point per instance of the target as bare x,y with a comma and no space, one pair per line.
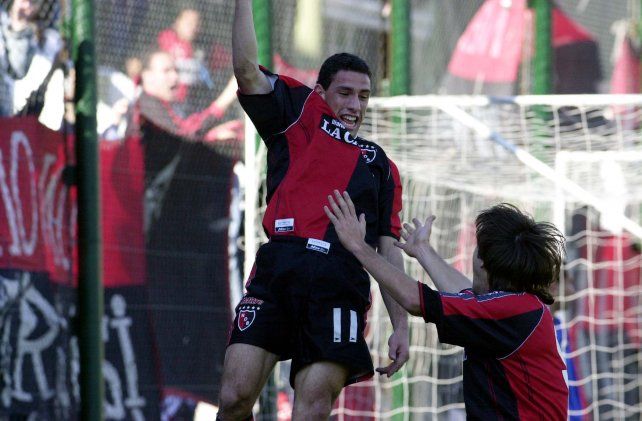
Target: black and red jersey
310,154
512,366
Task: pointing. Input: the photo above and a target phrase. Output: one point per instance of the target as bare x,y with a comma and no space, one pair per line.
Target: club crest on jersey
336,129
369,153
246,318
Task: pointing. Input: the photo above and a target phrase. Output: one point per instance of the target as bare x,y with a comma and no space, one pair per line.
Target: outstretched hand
416,237
351,231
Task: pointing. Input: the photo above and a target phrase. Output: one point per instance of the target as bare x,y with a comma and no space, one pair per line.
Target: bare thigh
245,370
317,386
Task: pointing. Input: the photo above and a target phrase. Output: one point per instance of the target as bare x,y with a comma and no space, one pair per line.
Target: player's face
480,277
348,96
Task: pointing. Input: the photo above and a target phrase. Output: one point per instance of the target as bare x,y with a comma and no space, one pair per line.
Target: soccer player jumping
512,367
307,295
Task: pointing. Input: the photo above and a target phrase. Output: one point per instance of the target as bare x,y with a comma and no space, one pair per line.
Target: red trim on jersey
395,220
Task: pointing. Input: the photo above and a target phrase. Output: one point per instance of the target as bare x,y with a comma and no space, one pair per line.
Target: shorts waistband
313,244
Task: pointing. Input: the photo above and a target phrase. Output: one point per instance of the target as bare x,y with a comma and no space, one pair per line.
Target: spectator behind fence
158,103
178,41
25,35
117,92
41,91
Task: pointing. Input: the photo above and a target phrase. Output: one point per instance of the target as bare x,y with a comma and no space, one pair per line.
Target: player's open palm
342,213
416,237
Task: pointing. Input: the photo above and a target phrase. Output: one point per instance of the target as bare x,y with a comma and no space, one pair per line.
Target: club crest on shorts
245,319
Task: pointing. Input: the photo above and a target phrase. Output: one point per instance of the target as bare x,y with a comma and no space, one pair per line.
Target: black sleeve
274,112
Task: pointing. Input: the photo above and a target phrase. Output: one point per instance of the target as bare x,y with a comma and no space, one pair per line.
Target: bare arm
251,80
399,348
445,277
388,251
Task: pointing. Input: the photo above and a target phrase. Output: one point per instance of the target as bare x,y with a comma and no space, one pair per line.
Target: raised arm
445,277
251,80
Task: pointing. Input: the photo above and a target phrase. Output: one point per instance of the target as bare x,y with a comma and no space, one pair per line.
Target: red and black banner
165,212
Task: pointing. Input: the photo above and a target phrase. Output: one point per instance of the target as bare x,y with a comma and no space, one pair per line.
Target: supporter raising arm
157,101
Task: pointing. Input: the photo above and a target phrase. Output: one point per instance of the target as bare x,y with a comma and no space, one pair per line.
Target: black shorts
307,306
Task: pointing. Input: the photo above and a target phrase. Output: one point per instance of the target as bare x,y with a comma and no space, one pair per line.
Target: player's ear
319,90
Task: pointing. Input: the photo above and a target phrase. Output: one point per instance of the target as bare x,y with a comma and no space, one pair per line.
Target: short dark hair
519,254
341,61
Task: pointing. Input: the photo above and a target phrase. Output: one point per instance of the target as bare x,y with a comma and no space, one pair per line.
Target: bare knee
245,371
312,408
235,403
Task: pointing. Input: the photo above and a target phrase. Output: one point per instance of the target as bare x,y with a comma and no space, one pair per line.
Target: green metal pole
262,12
90,292
400,48
543,61
400,53
542,76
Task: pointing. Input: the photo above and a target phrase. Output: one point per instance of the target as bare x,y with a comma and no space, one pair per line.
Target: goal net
572,160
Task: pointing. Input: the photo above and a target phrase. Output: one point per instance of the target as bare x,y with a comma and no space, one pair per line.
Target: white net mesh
573,160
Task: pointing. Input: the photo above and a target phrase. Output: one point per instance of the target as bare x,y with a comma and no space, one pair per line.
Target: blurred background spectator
178,42
159,105
117,92
29,47
16,50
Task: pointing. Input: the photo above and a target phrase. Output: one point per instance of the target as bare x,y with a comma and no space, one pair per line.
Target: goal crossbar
537,165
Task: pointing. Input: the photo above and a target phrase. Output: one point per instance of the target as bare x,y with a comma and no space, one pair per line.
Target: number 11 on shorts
337,325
